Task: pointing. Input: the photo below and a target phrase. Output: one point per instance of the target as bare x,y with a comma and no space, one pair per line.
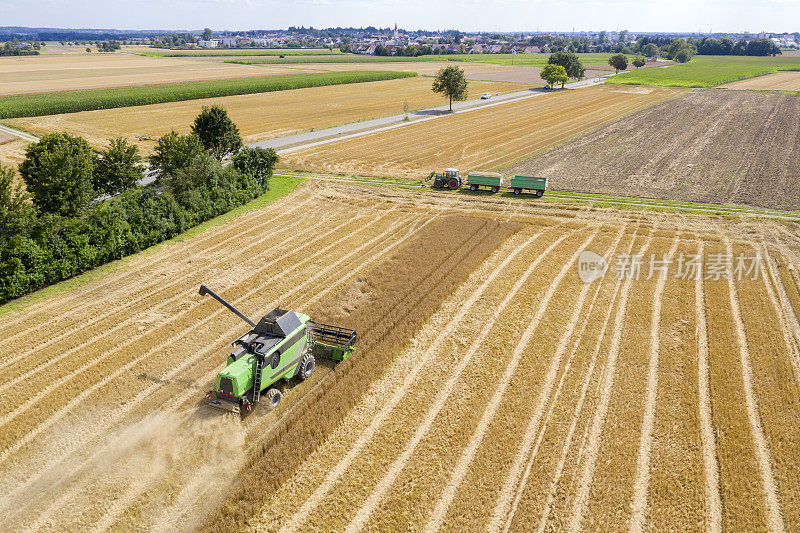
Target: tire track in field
146,292
368,433
389,478
54,384
134,317
774,517
49,422
187,362
578,408
607,384
516,478
788,320
708,439
138,265
170,514
444,268
642,476
505,508
468,454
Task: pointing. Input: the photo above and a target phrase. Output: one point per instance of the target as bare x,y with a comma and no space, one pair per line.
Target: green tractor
449,179
282,345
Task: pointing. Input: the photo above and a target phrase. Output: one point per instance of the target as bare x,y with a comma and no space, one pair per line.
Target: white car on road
485,96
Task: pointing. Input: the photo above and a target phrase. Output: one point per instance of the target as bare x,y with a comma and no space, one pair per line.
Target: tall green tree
207,33
173,152
639,61
553,74
15,206
682,56
618,61
570,61
650,50
58,173
452,83
118,167
257,162
217,132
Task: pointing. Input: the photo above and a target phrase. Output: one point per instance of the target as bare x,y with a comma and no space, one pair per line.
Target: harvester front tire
438,184
453,184
307,366
274,398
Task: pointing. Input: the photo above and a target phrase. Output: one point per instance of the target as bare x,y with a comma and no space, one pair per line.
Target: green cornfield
55,103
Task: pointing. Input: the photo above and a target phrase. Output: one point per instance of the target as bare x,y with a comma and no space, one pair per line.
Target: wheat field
492,388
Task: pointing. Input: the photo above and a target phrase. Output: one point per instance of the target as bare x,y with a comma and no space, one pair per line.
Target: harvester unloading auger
282,345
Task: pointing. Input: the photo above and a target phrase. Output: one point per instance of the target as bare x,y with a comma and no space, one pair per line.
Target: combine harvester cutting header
282,345
451,179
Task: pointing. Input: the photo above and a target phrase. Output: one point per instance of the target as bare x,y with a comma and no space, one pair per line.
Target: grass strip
706,71
54,103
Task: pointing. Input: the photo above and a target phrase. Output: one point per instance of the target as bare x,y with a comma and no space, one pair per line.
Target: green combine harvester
281,346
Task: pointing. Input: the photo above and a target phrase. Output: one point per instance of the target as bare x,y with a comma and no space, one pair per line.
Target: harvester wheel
473,187
495,189
517,190
438,184
453,184
274,397
307,366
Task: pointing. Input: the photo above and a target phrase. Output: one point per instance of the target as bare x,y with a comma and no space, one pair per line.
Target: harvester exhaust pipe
205,290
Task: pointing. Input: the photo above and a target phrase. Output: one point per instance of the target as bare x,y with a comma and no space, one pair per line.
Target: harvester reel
274,398
307,366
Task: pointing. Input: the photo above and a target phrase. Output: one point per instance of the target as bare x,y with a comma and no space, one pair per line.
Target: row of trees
81,208
12,48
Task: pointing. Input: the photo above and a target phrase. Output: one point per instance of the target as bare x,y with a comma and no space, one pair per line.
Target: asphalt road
357,129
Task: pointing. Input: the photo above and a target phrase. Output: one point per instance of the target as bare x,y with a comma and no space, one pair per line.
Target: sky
470,15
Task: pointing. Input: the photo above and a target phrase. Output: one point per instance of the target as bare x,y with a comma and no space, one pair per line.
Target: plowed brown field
483,139
492,389
710,145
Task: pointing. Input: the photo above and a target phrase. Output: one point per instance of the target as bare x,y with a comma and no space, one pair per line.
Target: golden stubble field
482,139
524,399
61,72
258,116
779,81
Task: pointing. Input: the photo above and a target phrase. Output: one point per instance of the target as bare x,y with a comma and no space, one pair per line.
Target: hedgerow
55,103
52,248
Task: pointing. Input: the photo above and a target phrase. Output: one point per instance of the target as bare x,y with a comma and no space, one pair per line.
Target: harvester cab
449,179
282,345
